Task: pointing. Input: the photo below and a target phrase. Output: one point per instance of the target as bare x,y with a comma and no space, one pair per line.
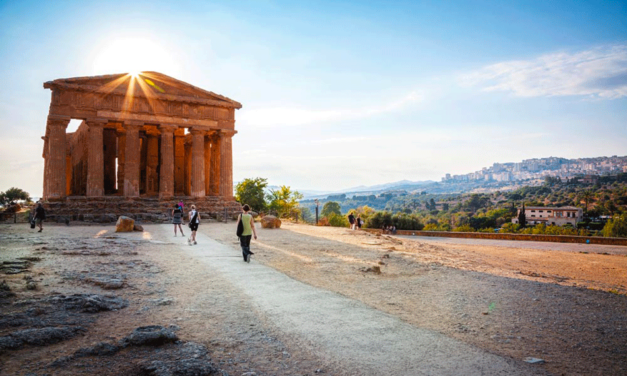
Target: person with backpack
194,221
247,230
40,216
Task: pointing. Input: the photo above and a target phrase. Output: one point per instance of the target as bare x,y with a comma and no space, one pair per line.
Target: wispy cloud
295,116
599,72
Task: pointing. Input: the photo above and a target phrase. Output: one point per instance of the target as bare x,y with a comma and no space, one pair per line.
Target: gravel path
343,330
547,246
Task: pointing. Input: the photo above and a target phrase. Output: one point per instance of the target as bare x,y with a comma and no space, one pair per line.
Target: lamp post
317,205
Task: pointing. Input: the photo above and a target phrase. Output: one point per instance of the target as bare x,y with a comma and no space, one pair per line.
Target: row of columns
208,160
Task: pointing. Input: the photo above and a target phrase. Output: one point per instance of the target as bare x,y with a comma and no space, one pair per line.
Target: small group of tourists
194,221
355,223
245,227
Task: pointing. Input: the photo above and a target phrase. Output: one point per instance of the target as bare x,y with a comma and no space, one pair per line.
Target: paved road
346,331
549,246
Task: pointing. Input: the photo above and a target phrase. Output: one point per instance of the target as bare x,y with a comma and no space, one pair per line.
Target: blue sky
339,94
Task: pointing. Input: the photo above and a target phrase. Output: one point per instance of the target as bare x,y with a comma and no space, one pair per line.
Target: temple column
95,158
121,133
152,162
207,165
188,166
131,163
46,169
216,142
55,172
109,139
179,161
226,166
198,162
166,179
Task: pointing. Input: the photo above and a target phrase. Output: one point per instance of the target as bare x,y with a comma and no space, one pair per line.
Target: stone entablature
144,135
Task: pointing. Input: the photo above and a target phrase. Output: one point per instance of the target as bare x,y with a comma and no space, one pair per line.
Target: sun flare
133,56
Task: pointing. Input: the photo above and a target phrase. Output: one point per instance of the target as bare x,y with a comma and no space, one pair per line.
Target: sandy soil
514,303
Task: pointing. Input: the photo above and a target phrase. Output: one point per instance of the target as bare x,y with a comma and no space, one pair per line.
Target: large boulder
125,224
270,221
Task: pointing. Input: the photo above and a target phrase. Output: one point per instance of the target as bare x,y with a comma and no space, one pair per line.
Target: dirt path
363,340
478,298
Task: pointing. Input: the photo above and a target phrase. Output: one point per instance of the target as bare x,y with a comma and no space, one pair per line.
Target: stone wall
145,209
521,237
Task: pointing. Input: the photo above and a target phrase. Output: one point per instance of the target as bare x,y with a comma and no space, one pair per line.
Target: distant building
551,215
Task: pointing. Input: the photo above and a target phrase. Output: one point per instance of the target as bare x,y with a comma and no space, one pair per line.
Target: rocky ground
85,300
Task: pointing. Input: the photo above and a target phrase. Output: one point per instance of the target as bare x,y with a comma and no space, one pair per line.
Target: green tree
12,195
338,220
331,207
283,201
251,192
616,227
587,196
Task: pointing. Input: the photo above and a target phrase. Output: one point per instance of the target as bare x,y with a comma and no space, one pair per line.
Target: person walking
40,215
351,220
249,231
358,222
177,218
194,221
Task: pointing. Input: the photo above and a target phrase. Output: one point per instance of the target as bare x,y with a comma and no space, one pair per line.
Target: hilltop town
540,168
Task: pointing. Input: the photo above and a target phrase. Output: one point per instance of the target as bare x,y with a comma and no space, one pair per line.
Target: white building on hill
551,215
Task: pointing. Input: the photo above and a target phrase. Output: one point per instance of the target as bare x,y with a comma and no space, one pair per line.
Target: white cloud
295,116
598,72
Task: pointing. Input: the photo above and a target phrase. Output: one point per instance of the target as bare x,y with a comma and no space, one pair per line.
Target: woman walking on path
177,218
194,221
249,231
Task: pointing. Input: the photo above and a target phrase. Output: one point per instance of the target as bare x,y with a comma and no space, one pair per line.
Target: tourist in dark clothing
351,220
177,218
358,222
40,215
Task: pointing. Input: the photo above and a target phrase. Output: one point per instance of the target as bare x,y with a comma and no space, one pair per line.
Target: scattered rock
270,221
4,286
90,303
124,224
107,282
162,301
138,228
100,349
531,360
376,269
31,285
187,367
38,337
153,335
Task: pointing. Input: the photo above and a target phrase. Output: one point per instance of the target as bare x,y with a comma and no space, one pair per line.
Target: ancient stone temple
145,141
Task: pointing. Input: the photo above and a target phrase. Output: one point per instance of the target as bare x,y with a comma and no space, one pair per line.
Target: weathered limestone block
270,221
125,224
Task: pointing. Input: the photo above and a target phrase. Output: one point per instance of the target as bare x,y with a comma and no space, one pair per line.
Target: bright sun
133,55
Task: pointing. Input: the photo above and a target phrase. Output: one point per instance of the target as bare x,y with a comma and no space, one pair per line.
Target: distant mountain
406,185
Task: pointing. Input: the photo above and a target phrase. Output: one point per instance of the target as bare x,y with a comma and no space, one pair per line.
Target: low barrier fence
519,237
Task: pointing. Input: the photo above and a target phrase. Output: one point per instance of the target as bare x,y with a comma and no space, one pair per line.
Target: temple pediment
150,85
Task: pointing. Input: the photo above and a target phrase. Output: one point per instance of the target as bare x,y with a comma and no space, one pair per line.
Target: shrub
616,227
336,220
430,227
464,228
